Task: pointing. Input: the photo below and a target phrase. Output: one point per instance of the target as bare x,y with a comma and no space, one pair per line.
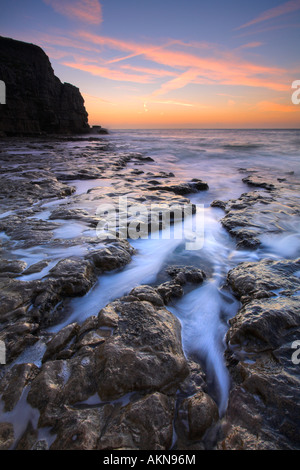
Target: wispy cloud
266,29
287,7
172,65
179,82
88,11
172,102
149,71
250,45
105,72
222,66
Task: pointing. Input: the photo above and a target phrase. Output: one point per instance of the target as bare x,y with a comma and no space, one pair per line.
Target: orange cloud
288,7
172,102
88,11
108,73
222,67
149,71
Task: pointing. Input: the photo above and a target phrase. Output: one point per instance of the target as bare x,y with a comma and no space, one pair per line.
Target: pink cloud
149,71
108,73
184,67
250,45
88,11
288,7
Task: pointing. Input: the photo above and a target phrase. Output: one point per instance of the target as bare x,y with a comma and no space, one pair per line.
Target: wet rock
170,290
70,277
219,203
182,188
109,316
144,352
141,158
113,256
36,267
8,267
28,438
265,278
41,444
200,412
257,180
17,337
6,436
60,340
15,299
66,214
257,216
239,438
47,390
261,324
76,276
184,274
261,410
27,191
89,324
147,293
181,275
254,214
30,232
145,424
80,429
14,382
131,347
37,302
91,338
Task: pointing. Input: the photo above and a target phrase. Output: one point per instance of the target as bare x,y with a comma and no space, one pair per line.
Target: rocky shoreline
120,379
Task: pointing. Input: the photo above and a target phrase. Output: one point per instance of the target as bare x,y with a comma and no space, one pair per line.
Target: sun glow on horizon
155,75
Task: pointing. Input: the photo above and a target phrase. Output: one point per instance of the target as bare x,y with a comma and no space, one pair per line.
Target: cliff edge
37,102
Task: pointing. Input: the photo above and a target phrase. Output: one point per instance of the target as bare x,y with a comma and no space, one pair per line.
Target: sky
170,63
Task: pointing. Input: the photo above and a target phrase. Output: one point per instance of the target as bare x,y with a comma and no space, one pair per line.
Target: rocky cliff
36,100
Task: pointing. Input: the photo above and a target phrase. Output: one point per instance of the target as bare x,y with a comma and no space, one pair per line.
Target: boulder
144,424
200,412
181,188
144,352
261,410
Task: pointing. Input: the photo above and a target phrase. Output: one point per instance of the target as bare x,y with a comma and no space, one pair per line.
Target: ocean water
221,158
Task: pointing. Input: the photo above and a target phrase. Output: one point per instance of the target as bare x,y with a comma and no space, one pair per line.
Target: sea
222,158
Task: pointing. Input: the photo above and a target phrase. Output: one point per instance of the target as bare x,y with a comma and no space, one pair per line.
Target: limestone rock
6,436
261,409
36,101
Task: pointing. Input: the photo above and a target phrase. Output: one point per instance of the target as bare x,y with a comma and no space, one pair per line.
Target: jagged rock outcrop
36,100
262,411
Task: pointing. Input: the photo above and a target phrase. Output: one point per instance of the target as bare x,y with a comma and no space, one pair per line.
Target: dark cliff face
36,100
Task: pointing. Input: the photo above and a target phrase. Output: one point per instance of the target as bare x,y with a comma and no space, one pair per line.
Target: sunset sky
170,63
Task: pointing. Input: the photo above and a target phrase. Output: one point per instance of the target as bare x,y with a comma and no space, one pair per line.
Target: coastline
121,379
